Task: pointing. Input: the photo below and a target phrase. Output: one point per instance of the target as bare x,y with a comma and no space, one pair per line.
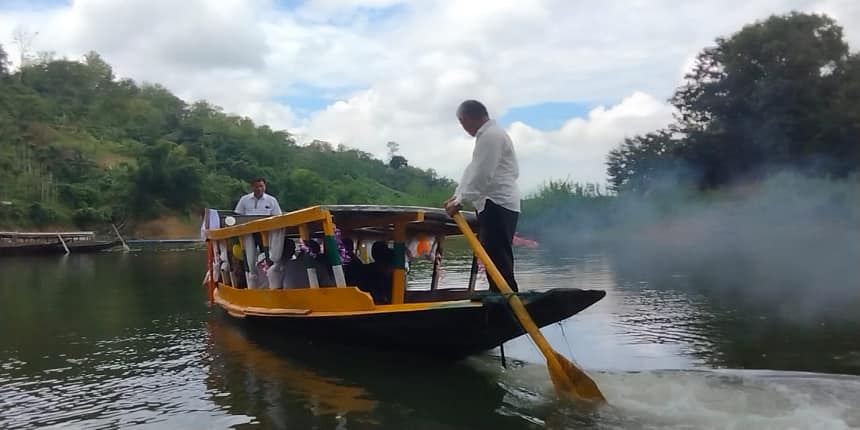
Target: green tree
67,83
101,71
397,162
777,94
166,176
762,92
642,161
306,188
4,63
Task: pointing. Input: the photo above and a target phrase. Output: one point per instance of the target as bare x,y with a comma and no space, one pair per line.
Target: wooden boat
91,246
25,243
28,248
446,322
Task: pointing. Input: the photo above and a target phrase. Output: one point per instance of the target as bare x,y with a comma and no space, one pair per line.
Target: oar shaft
516,304
566,377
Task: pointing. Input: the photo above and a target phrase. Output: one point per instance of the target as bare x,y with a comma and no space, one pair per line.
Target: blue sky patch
33,4
546,116
348,16
305,104
305,99
382,13
289,4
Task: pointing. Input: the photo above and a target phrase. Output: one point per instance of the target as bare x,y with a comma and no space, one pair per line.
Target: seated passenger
325,275
377,275
237,277
295,274
237,267
353,270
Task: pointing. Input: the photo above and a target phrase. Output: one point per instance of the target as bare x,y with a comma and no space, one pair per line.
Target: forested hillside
79,147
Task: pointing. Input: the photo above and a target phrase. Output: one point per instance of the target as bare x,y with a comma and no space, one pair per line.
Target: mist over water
790,240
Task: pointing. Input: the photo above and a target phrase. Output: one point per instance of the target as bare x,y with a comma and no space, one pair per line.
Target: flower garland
345,256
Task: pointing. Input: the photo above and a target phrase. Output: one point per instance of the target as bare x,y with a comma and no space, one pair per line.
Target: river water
127,340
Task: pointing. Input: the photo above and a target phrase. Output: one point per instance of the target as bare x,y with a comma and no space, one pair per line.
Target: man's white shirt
493,172
265,205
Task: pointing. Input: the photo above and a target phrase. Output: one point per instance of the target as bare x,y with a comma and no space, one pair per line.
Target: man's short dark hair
472,109
255,180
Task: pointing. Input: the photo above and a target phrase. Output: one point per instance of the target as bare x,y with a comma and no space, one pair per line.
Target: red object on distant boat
521,241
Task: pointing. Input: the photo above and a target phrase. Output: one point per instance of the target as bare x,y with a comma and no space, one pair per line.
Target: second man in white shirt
257,202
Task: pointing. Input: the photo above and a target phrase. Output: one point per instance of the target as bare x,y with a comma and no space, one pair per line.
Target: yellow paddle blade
571,381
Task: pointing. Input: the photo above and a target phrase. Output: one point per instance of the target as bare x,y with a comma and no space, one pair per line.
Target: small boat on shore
43,243
246,279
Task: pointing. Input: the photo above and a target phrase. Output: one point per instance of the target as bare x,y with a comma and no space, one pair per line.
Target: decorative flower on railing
305,250
440,271
263,262
345,255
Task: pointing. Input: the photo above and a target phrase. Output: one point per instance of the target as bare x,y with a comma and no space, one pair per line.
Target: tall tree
774,95
24,39
761,92
4,62
102,72
644,160
398,161
393,148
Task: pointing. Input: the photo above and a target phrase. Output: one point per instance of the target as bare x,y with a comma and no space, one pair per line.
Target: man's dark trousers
496,229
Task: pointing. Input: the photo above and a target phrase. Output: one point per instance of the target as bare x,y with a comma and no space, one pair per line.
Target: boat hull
29,249
56,248
94,246
453,330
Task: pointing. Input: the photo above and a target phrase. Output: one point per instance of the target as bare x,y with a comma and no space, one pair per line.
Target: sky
568,79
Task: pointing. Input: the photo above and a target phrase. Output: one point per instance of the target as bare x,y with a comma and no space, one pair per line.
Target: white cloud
398,69
578,149
276,115
201,49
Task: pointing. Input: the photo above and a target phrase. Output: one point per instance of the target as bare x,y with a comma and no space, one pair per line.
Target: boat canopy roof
366,221
379,220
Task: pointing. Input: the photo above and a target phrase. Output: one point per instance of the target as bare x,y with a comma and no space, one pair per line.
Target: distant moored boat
36,243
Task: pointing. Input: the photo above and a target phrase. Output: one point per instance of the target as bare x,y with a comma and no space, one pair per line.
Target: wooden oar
568,379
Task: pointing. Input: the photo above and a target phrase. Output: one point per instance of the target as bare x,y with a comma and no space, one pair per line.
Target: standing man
490,184
258,202
256,253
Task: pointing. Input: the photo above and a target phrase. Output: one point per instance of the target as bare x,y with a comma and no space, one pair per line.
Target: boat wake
687,399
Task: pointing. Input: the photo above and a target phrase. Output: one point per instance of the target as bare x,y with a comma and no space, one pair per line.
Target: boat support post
305,235
473,273
66,247
398,285
124,245
210,258
332,252
437,259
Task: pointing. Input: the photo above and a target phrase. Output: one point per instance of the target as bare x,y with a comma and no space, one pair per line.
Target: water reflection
242,366
125,340
306,384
